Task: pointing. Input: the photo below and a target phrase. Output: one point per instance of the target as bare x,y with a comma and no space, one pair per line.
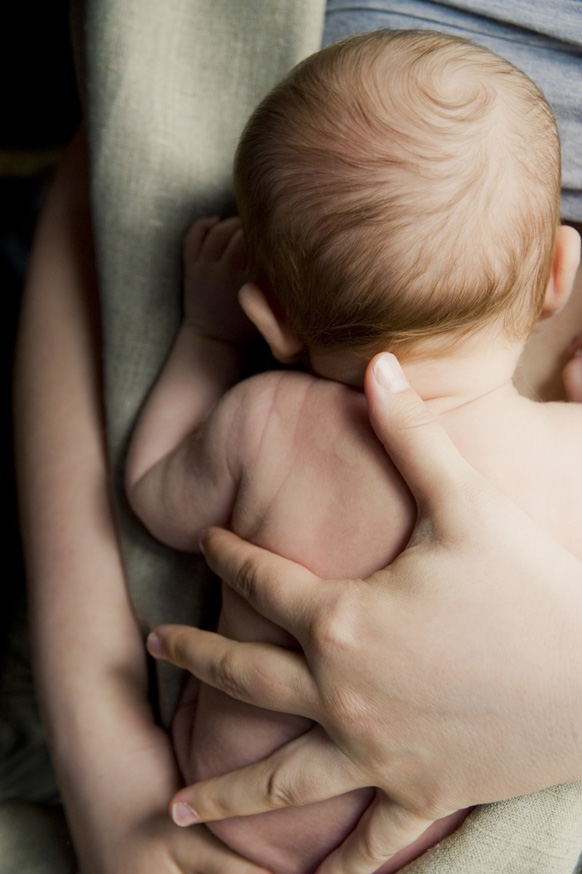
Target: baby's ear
284,343
565,263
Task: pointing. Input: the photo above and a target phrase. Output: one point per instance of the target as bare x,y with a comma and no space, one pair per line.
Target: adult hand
450,678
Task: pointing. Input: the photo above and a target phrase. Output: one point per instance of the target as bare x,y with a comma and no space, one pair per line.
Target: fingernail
154,644
183,815
389,373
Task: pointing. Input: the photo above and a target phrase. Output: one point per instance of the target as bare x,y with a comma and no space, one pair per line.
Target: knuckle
226,675
430,803
352,717
281,791
247,578
434,806
332,630
335,641
373,849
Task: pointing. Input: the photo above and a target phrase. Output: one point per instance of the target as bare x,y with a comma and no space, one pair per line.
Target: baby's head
401,187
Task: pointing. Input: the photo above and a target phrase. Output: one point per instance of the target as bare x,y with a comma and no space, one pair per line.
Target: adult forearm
89,660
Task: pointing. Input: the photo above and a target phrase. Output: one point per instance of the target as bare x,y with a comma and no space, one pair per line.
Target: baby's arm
165,457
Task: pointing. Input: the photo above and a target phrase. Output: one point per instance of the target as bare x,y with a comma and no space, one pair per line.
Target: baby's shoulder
547,433
563,472
531,452
284,394
284,408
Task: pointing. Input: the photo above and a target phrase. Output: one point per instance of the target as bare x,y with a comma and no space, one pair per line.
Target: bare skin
114,765
466,530
65,503
260,488
551,367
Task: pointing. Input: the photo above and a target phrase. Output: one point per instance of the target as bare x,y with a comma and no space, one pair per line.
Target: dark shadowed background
38,112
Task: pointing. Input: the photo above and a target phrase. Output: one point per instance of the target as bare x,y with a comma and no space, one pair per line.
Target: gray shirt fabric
543,39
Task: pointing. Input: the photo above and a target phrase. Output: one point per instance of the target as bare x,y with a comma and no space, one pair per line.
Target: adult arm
473,690
114,765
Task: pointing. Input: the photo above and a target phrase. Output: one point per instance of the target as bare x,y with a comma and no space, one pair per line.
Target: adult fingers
307,769
281,590
419,446
384,828
259,673
201,853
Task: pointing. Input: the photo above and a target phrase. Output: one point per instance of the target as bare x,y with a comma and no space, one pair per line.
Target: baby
398,191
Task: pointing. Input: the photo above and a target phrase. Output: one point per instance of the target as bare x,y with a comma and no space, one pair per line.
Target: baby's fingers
216,242
259,673
196,235
383,830
199,852
304,771
235,253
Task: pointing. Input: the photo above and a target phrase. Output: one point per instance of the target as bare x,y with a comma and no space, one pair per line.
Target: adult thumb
417,443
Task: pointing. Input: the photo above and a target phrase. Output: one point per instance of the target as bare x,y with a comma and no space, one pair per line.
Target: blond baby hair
397,186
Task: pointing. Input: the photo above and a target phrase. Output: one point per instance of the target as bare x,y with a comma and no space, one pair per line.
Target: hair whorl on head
399,185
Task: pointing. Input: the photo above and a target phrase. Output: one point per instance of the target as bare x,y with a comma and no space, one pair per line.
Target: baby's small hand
215,268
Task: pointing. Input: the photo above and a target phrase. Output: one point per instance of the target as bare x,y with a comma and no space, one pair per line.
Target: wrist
201,361
115,785
196,334
235,329
206,362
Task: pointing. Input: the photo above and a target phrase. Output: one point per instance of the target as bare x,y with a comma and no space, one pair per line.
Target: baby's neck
476,368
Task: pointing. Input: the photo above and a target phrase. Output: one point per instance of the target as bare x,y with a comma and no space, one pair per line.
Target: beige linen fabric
169,88
533,834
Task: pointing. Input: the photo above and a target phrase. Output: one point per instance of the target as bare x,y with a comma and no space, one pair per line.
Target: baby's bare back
316,487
